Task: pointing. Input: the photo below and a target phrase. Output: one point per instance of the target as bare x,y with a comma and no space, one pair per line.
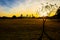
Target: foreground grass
28,29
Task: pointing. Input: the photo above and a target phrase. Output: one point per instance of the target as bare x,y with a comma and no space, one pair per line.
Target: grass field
28,29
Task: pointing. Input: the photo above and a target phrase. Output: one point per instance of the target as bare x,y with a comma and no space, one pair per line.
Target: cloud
15,7
10,3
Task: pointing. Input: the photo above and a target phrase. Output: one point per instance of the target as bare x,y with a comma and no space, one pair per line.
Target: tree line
57,16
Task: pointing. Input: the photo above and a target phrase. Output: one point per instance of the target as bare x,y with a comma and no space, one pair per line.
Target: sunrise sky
28,7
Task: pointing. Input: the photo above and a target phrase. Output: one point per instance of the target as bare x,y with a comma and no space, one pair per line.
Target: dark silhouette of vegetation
58,13
4,17
27,15
21,16
33,16
13,16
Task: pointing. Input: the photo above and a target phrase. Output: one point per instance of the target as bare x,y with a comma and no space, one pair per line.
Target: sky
28,7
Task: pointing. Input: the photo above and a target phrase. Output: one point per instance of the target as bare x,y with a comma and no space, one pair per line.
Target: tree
27,15
33,16
21,16
14,16
58,13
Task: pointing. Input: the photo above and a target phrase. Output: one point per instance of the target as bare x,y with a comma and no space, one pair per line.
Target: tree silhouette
21,16
4,17
33,16
27,15
13,16
58,13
